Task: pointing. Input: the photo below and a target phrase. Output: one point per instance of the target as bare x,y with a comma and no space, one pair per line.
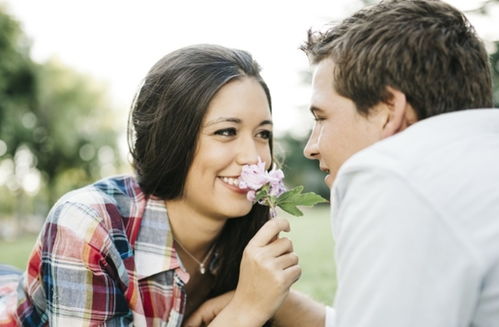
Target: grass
16,252
312,241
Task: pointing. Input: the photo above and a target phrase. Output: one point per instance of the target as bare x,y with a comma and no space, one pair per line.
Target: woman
148,250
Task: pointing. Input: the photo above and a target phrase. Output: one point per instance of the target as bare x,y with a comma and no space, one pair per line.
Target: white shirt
416,223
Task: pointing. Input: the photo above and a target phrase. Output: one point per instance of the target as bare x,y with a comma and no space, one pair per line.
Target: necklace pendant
202,270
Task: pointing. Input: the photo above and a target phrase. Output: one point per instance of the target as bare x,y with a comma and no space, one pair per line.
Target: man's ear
400,113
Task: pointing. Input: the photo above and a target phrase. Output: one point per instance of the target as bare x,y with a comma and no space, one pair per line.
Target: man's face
339,130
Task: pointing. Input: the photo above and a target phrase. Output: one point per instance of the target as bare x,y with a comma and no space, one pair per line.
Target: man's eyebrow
315,110
234,120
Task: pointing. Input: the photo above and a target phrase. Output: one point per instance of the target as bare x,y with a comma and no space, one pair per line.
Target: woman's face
236,130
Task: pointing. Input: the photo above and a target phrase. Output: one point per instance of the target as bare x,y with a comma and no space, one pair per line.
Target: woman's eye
319,119
266,135
226,132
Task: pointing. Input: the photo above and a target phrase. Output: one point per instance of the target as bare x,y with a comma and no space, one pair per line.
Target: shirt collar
154,246
154,251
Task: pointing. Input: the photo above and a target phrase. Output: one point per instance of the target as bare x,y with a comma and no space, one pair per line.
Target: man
413,166
414,175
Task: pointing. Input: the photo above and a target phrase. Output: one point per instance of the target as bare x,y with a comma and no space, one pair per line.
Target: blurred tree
484,8
57,131
494,61
17,99
298,169
17,85
73,132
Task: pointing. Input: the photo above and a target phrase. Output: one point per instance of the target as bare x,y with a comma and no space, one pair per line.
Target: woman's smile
236,132
232,183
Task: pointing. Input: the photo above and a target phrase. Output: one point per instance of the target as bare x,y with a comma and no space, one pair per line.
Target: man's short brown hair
425,48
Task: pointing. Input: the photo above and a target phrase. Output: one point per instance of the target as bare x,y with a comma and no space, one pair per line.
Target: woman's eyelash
265,134
226,132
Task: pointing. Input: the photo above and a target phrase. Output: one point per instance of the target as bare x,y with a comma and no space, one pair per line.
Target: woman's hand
268,269
297,310
209,310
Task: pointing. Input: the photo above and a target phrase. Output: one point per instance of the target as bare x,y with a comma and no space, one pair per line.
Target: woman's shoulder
104,203
107,190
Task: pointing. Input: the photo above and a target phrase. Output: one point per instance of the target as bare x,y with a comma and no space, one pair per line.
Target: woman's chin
238,210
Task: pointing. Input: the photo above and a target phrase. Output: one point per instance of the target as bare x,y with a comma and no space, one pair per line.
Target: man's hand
208,310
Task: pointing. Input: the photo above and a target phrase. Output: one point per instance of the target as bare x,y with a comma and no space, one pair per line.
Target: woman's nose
248,153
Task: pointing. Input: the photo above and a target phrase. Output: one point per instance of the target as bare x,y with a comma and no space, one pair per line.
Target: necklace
202,268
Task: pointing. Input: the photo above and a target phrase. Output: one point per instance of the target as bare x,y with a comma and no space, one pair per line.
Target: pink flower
253,177
277,189
276,184
251,195
268,188
276,175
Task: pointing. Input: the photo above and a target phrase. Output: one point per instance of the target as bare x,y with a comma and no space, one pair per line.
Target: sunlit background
69,70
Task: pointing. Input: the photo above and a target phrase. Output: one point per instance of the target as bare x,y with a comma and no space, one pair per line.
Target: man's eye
226,132
266,135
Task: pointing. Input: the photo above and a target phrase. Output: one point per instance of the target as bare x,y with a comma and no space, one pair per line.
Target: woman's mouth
231,180
233,184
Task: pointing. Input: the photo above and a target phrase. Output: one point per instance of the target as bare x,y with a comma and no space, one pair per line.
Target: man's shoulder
431,143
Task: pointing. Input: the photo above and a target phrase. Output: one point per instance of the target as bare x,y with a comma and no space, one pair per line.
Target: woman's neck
195,231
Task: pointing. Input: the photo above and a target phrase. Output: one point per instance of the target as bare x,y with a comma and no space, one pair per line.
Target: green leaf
289,194
290,208
295,197
260,195
289,200
308,199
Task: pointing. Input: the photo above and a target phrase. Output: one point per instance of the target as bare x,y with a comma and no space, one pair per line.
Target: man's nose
311,150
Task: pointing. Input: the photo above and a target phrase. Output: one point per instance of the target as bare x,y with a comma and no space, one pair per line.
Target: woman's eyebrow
223,119
266,122
234,120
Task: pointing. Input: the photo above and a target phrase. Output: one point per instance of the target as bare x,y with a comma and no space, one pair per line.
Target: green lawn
16,252
313,242
311,236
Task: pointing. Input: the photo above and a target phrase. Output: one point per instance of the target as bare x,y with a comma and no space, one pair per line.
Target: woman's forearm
235,315
299,310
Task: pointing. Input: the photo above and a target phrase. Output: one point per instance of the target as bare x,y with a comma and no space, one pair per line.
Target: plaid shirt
104,257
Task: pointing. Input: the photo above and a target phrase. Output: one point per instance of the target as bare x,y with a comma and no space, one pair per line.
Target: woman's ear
400,113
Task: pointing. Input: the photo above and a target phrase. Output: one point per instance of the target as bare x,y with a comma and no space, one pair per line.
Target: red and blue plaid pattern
105,256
